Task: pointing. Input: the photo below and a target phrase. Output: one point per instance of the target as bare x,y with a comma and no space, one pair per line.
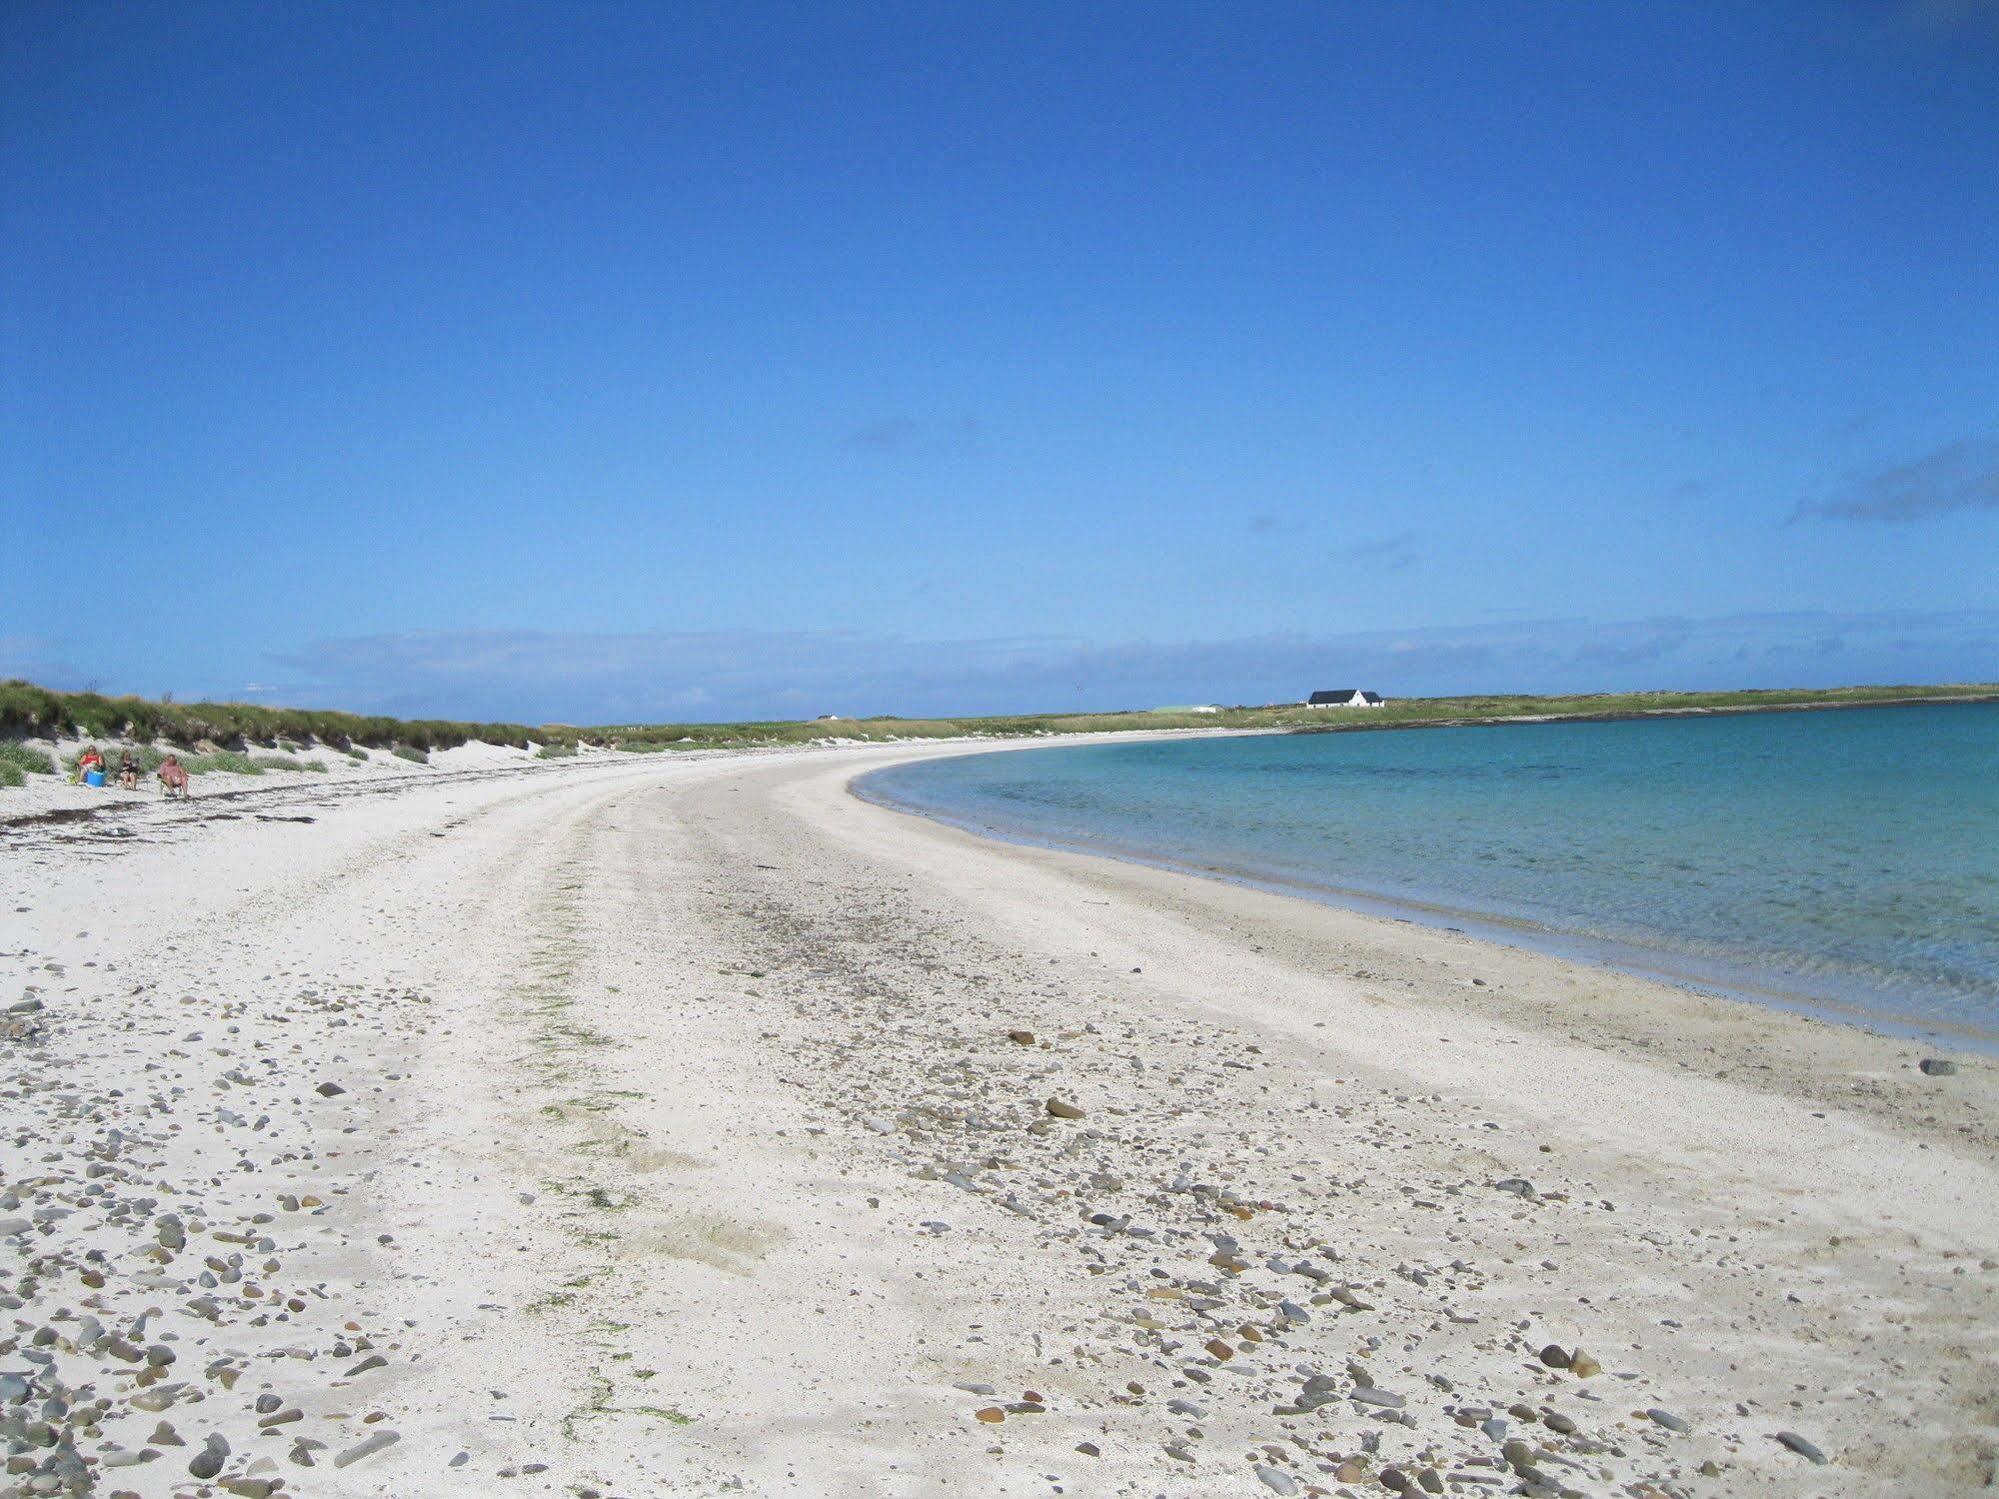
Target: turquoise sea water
1840,861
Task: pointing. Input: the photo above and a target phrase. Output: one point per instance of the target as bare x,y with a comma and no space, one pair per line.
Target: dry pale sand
653,1125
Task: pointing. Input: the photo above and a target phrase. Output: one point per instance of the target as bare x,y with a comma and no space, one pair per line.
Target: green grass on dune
233,762
31,712
25,760
236,763
287,762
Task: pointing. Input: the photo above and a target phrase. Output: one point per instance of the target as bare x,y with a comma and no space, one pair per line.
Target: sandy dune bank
658,1126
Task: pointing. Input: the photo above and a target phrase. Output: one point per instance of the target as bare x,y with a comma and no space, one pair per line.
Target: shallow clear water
1849,859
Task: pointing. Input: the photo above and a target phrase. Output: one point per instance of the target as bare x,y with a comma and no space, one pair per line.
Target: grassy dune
228,731
29,712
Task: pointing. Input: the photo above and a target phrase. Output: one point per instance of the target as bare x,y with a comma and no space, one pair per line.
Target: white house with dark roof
1345,697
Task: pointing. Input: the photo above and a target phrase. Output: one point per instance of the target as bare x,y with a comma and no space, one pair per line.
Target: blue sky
617,362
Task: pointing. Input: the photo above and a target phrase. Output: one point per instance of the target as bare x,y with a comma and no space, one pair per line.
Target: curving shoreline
685,1141
1671,852
1659,966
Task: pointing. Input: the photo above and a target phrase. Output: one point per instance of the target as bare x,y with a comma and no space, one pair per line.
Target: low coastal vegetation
19,761
224,736
1397,713
31,712
246,765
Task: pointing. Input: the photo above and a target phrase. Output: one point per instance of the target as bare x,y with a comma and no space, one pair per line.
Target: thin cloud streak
882,436
1962,476
1401,549
895,434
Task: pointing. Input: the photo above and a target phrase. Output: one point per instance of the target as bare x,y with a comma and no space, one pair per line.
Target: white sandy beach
653,1125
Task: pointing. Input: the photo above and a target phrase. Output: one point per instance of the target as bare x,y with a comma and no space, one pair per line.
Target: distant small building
1345,697
1189,708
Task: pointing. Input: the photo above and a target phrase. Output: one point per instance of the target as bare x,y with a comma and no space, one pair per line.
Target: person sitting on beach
86,762
128,771
173,776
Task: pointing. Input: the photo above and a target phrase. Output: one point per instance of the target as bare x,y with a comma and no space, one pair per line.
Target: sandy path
682,1092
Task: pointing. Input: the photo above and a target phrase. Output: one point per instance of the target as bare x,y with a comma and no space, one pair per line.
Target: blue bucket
93,778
